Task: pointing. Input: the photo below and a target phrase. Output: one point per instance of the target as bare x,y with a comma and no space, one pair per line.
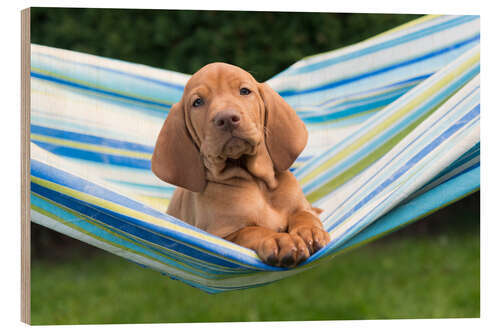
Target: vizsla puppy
228,145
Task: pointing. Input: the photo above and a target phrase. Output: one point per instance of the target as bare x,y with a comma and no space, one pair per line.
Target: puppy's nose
227,120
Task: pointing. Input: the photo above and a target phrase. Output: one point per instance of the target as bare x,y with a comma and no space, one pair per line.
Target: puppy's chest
237,207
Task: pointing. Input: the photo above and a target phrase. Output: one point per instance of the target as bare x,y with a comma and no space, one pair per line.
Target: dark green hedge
263,43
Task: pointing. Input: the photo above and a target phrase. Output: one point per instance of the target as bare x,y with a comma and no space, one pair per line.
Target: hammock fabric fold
394,136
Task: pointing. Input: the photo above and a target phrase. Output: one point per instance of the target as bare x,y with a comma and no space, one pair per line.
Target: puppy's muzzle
227,120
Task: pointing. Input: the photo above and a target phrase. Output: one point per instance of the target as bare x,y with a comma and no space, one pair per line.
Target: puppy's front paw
315,238
282,249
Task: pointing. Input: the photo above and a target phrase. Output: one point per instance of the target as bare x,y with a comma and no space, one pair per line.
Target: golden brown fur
228,145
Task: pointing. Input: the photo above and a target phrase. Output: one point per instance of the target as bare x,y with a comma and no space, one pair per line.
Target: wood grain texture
25,167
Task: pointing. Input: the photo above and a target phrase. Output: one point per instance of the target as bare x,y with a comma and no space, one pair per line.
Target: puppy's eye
197,102
245,91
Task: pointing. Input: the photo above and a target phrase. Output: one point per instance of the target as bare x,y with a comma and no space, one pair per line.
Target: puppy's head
224,116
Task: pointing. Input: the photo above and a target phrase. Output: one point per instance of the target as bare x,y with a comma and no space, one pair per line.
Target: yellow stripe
392,119
140,216
157,203
91,147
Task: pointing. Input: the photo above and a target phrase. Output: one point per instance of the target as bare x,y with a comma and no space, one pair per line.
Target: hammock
393,135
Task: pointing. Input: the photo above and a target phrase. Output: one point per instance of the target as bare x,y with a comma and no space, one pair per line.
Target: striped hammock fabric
393,135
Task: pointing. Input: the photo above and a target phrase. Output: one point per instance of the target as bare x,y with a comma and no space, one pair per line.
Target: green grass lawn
406,275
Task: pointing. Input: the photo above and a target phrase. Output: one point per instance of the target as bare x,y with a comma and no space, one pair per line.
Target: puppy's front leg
274,248
307,226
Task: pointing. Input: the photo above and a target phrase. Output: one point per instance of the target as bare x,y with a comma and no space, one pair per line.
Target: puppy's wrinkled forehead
216,76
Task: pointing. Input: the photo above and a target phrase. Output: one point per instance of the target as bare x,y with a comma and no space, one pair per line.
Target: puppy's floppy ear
286,134
176,160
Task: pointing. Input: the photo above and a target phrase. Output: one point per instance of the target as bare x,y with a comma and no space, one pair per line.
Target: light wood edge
25,168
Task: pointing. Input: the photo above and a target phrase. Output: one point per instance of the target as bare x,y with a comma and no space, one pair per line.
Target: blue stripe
469,155
101,91
338,83
124,161
384,45
92,139
411,162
